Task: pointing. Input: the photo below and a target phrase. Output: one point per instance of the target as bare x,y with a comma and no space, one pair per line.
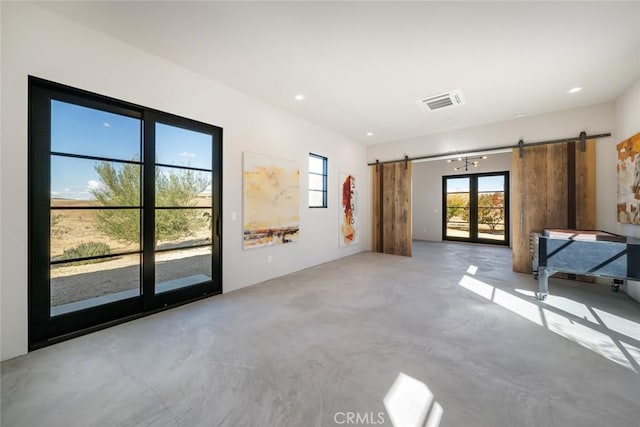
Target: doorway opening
475,208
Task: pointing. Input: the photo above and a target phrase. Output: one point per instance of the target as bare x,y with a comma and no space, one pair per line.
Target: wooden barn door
392,208
553,187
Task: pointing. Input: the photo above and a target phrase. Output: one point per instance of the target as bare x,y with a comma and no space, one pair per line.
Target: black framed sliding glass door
476,208
124,211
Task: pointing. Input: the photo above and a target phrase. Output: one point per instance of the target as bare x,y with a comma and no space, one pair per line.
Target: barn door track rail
521,145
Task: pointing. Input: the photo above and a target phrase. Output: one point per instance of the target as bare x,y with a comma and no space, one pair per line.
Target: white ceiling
361,65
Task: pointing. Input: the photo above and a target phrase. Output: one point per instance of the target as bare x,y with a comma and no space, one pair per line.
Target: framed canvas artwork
271,201
349,232
628,169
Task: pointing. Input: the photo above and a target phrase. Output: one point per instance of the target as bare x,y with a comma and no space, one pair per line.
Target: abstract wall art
271,210
349,232
628,167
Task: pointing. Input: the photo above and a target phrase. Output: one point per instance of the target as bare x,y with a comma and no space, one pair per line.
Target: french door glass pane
180,268
458,185
491,223
490,183
87,182
457,207
182,187
176,228
84,284
81,233
181,147
491,207
86,131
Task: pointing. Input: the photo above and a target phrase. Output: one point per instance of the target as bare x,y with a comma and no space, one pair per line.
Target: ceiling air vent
450,99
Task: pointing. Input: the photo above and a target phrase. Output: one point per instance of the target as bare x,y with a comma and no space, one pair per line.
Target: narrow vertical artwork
271,210
349,232
628,168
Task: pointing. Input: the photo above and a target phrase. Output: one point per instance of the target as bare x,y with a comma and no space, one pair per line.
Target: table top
583,235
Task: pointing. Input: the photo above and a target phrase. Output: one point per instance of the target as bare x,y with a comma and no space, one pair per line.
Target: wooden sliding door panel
375,208
389,206
556,188
586,186
531,207
553,187
516,212
392,208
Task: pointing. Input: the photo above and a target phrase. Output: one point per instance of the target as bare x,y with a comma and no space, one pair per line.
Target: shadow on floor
572,311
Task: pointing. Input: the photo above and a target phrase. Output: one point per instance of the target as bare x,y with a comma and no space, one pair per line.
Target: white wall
37,42
564,124
427,191
627,125
1,207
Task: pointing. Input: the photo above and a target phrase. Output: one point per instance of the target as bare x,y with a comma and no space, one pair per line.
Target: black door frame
473,208
45,329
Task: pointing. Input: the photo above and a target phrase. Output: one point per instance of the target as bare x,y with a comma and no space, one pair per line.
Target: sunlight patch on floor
570,306
409,401
511,302
619,324
586,337
582,324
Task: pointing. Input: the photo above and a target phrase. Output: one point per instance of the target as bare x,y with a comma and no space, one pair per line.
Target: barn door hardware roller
583,141
521,148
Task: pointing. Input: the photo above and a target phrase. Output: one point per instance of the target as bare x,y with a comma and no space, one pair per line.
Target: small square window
317,181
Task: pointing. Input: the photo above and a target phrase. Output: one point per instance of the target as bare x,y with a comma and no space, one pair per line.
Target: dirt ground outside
78,283
71,283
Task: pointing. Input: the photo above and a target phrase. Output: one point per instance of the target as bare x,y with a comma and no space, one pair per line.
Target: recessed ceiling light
574,90
369,133
299,97
518,115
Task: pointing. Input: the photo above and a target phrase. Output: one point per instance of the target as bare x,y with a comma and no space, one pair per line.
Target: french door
475,208
124,211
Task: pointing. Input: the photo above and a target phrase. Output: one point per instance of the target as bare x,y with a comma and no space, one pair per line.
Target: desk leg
543,283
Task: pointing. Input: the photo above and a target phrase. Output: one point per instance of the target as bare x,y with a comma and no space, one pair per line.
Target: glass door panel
457,207
95,205
184,221
491,207
182,268
89,132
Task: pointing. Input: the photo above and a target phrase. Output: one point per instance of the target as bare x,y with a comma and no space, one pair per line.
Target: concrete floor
365,340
